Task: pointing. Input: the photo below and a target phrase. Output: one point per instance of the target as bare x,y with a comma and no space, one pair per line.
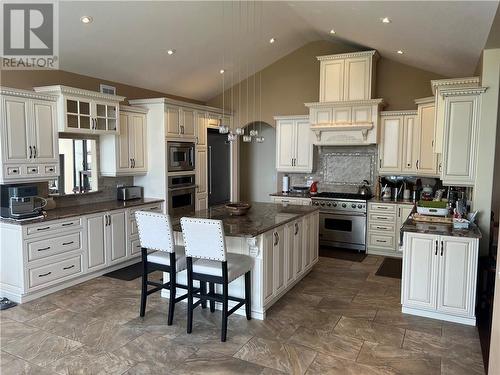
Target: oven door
180,156
343,230
181,200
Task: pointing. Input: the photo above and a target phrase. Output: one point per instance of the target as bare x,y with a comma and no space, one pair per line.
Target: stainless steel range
342,219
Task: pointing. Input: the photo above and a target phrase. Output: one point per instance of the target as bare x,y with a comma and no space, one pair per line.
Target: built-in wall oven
181,194
180,156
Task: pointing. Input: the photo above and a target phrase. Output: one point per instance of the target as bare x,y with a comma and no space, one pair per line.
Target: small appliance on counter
126,193
21,202
364,189
286,184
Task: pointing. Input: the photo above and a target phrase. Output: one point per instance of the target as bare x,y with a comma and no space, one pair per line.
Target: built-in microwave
180,156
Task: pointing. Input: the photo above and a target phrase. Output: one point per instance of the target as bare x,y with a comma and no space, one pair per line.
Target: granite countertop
71,211
262,217
399,201
411,225
291,195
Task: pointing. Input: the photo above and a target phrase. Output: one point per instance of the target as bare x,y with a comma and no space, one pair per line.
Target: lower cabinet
439,277
292,200
96,241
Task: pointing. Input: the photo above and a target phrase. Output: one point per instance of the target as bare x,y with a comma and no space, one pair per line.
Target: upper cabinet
126,154
391,145
84,111
293,146
348,76
179,122
29,140
426,161
460,135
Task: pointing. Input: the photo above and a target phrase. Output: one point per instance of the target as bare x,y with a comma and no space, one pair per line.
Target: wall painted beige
27,79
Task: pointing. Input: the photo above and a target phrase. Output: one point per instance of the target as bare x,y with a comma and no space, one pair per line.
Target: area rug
344,254
128,273
391,267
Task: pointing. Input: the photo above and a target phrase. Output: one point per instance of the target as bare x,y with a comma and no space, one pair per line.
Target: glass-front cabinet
84,111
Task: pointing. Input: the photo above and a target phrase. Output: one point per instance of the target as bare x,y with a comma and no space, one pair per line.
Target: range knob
344,205
322,203
353,205
334,204
328,204
360,206
316,203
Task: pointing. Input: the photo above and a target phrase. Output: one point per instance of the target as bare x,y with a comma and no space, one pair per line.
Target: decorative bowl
238,208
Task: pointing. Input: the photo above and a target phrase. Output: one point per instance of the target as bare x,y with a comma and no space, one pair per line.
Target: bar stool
204,239
155,233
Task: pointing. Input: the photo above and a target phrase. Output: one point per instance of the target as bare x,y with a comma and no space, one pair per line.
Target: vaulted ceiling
128,41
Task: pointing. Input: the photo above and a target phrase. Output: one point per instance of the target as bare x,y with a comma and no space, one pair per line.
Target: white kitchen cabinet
116,236
126,154
426,163
201,179
179,122
294,150
439,277
410,149
298,248
279,259
306,242
85,111
290,232
201,129
268,259
460,137
391,141
96,241
29,144
284,200
348,76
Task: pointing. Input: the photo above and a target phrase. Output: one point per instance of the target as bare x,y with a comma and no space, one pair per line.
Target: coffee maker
20,201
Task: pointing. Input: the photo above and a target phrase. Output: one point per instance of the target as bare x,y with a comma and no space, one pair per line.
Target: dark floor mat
128,273
391,267
344,254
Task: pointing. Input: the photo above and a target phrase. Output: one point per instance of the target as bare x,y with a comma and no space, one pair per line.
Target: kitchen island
281,239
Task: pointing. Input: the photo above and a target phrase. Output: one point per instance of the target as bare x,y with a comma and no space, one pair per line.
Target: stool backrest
155,231
204,238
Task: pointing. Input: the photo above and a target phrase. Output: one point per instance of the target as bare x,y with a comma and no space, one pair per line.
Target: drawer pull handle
381,241
44,274
66,224
44,228
383,207
44,248
381,227
381,218
68,243
69,267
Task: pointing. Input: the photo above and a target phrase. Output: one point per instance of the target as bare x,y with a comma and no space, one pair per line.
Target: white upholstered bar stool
155,233
204,240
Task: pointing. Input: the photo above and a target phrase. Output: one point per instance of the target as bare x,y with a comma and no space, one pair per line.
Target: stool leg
203,292
173,292
212,302
224,312
248,292
144,288
189,262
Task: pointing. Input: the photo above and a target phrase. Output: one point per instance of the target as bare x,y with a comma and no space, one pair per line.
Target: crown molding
292,117
427,100
462,91
128,108
399,113
439,84
66,90
168,101
348,55
346,103
26,94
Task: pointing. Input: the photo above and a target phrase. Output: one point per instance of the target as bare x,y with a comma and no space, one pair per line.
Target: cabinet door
268,239
331,81
420,267
137,143
314,237
201,171
303,147
279,259
201,128
306,252
172,118
124,157
285,149
78,114
201,202
188,123
457,268
427,159
357,79
44,133
390,149
96,241
15,130
135,247
117,235
297,248
410,143
289,252
460,140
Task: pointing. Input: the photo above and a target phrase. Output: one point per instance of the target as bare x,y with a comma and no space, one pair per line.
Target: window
78,164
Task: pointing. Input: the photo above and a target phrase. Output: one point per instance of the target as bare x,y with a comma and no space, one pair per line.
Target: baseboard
439,316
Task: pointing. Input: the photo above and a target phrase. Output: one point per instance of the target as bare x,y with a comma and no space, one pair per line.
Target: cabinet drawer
294,201
50,169
33,169
381,218
50,272
390,208
381,240
48,227
381,227
13,171
155,208
56,245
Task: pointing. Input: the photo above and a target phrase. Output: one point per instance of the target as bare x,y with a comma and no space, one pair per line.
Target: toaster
126,193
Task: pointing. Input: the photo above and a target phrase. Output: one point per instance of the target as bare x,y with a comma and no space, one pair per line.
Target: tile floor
341,319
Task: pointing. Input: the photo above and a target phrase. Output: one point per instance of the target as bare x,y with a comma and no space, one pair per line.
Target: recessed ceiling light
386,20
222,71
272,40
86,19
171,51
332,31
400,52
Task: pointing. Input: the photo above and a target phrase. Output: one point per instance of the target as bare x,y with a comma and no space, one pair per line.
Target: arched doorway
258,164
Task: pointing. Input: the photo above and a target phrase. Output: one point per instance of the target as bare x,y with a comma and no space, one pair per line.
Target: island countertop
261,218
411,225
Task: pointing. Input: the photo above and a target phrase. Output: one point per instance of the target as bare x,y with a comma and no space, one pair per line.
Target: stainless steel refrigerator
219,168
